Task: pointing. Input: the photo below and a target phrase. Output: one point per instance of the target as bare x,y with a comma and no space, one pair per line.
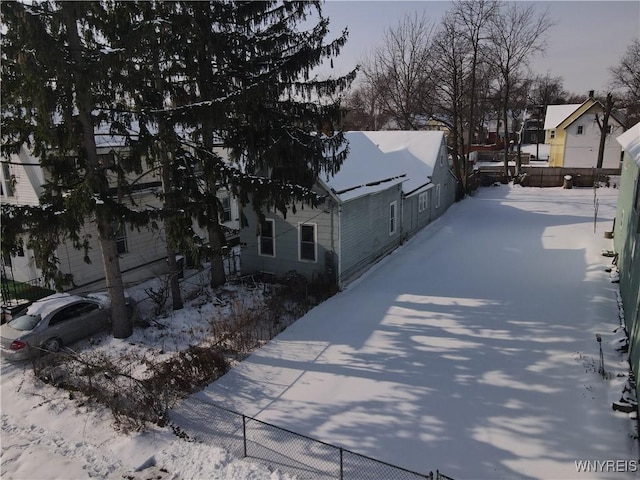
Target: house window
438,196
580,130
423,202
392,217
107,160
609,128
307,237
552,134
534,138
266,242
7,181
226,209
121,241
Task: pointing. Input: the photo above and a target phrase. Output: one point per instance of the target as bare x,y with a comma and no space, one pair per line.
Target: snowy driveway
469,350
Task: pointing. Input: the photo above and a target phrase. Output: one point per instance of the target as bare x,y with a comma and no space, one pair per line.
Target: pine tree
61,81
242,71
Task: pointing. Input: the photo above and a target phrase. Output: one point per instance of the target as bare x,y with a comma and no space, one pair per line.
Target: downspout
339,252
336,203
401,216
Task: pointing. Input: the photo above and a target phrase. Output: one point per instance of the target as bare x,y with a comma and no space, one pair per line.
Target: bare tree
603,125
364,109
626,78
516,34
449,70
473,16
547,90
396,70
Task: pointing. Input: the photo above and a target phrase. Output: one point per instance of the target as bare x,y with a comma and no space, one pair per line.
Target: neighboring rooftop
556,114
630,141
380,159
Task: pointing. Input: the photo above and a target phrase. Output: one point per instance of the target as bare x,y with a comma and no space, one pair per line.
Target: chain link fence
288,451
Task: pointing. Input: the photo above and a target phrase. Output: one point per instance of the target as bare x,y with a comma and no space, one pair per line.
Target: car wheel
52,345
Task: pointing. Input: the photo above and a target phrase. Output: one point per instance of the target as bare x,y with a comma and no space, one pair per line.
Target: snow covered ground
470,350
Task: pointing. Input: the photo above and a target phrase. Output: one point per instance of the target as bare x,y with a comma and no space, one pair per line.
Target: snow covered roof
630,141
378,160
556,114
105,139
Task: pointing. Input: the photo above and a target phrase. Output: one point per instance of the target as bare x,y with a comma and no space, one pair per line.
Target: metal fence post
244,433
341,464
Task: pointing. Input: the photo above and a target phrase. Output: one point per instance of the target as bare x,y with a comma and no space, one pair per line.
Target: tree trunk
121,323
167,186
604,127
174,272
174,279
216,242
505,116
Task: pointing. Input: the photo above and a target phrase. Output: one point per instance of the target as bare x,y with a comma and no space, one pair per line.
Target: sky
478,359
588,36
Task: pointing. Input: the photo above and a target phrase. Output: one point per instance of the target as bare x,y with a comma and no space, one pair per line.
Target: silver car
53,322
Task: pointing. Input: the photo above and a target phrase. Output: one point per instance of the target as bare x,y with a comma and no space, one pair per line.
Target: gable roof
630,142
556,114
378,160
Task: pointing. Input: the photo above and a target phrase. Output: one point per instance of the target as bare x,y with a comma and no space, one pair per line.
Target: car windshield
24,322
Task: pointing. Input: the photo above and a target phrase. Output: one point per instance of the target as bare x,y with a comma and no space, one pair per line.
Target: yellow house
574,136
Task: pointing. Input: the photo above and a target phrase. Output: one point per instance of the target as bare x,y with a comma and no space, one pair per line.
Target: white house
574,136
142,252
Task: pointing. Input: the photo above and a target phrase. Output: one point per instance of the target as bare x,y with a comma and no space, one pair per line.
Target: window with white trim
580,130
552,134
7,180
307,242
438,196
393,217
226,209
121,241
267,239
423,202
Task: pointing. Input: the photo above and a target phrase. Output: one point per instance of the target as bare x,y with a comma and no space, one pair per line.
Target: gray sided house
391,185
627,241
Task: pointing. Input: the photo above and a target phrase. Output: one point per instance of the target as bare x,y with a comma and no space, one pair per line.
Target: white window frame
122,243
7,181
225,202
423,202
552,134
273,239
438,196
580,130
315,242
393,218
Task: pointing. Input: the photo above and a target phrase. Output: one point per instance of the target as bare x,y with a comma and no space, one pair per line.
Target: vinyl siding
581,150
286,232
364,226
627,245
28,180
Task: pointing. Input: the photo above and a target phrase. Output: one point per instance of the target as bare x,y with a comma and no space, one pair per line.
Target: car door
75,322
